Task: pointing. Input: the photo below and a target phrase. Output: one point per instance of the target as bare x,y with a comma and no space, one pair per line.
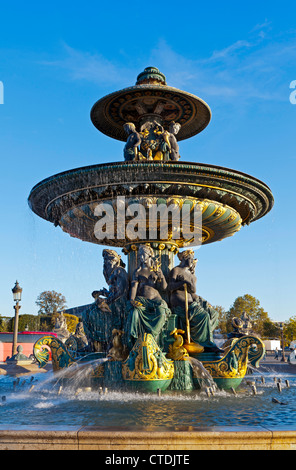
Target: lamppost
17,296
283,343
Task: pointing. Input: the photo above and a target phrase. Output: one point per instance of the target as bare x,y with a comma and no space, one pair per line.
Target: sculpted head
145,254
174,127
111,260
187,258
129,127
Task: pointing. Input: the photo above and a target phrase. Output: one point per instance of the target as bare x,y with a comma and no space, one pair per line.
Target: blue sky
58,58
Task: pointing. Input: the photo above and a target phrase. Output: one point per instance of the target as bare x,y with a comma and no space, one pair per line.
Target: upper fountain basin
229,198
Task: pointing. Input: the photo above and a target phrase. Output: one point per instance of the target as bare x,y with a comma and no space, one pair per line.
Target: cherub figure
170,145
131,151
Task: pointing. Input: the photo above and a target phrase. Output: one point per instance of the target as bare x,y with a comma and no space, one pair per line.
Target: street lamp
17,296
283,342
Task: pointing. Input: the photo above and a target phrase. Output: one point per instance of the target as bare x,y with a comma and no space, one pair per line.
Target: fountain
150,331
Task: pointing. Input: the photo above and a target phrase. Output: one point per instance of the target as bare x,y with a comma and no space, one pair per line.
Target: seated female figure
148,312
203,318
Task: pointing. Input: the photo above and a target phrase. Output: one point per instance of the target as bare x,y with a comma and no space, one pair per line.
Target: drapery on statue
203,319
141,308
108,311
148,312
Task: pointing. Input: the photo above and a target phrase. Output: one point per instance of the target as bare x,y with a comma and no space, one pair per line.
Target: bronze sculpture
152,114
133,142
107,313
203,319
170,145
148,312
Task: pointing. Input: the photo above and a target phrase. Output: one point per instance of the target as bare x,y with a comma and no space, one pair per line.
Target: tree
50,302
31,322
251,306
290,329
2,324
222,318
271,329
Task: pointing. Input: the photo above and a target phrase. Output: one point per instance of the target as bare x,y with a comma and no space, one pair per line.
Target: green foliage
46,322
261,323
8,325
3,324
270,330
290,329
222,319
29,322
50,302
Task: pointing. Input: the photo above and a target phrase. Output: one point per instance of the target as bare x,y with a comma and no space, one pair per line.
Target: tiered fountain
150,323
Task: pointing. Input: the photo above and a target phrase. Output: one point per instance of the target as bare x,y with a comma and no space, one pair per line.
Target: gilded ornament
177,352
235,362
147,362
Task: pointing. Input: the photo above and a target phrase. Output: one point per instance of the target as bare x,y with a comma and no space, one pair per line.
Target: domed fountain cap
150,99
151,75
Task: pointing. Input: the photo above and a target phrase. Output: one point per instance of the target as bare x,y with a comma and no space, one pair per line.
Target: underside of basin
227,199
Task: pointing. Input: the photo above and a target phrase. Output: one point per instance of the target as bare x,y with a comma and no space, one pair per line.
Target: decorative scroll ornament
146,362
234,363
61,357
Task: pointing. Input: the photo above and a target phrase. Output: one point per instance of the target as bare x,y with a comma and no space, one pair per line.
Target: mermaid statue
147,311
108,310
202,317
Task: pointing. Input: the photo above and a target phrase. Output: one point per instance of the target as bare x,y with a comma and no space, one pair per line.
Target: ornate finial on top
152,76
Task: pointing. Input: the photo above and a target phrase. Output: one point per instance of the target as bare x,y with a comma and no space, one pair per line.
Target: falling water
201,373
77,375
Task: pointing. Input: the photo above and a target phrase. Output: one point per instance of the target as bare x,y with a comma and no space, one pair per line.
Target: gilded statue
177,352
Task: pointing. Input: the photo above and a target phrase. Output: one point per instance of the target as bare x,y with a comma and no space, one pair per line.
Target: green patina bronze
150,325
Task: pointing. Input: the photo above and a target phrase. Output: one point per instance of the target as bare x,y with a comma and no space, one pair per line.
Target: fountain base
147,369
